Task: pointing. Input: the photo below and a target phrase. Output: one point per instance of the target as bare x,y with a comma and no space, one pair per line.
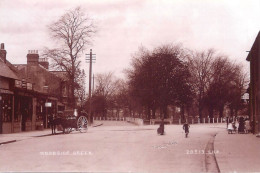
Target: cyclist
186,127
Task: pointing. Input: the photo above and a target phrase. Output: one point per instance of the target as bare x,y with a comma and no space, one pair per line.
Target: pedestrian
51,123
234,126
241,127
247,126
160,130
237,123
252,125
230,128
227,119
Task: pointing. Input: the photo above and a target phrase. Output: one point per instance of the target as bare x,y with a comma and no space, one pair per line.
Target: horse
54,122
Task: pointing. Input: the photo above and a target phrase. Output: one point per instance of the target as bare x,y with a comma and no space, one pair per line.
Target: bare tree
160,78
121,97
73,32
200,68
217,82
105,90
223,77
105,84
237,89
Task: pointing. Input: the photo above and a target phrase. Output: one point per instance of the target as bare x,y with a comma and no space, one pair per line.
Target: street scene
129,86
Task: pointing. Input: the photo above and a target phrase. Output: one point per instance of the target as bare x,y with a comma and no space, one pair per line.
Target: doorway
26,111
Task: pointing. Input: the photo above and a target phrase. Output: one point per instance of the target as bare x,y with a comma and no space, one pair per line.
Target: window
6,107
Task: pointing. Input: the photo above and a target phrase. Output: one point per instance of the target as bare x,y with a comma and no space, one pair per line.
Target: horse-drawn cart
69,121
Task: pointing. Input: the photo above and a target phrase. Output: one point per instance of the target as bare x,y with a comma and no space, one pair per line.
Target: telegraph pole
93,83
90,59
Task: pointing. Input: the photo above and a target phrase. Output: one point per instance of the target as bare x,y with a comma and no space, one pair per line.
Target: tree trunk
200,107
231,112
149,112
153,113
165,115
211,110
200,110
182,114
221,110
73,84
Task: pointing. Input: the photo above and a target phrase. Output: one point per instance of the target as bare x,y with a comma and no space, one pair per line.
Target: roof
255,47
7,71
61,74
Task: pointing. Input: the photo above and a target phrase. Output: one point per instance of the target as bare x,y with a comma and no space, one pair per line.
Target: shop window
17,111
6,107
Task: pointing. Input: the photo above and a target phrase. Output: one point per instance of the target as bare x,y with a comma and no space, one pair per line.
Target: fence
201,121
140,121
110,118
137,121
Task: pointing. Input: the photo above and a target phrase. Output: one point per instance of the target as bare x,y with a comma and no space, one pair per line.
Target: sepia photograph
120,86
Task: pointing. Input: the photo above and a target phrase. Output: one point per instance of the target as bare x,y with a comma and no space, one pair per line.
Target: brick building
254,88
28,93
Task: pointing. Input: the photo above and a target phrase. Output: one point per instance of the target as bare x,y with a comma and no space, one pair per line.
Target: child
234,127
230,128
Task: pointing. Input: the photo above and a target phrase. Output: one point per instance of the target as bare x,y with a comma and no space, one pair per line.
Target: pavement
14,137
237,152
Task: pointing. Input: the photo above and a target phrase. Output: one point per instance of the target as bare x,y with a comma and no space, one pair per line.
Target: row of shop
23,111
28,93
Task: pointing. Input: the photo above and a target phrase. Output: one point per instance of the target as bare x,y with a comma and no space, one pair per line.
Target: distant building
28,93
254,87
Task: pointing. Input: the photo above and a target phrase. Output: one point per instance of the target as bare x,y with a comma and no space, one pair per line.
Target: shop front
6,111
23,109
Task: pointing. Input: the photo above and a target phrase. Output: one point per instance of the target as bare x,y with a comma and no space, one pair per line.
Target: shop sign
5,92
48,104
18,84
24,84
29,86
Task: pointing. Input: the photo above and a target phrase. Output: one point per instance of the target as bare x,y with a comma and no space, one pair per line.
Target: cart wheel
82,124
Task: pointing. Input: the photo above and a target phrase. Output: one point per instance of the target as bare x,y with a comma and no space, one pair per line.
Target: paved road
116,149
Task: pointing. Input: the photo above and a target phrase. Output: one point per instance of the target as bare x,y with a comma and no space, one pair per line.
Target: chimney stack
33,57
44,62
3,52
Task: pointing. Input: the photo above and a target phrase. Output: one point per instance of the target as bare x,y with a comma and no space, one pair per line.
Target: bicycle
186,134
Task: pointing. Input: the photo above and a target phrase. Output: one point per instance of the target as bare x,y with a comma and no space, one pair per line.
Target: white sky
229,26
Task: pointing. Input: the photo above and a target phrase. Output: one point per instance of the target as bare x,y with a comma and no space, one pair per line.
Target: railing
110,118
202,120
140,121
137,121
157,121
